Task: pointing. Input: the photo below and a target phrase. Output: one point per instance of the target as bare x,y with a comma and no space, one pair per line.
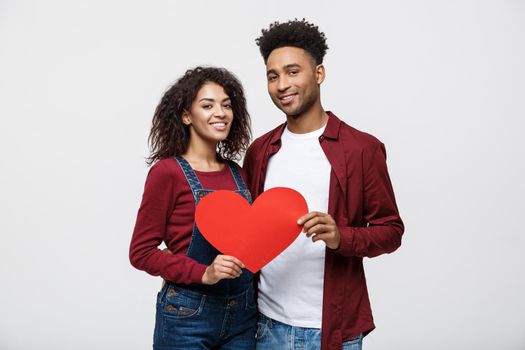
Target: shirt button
321,138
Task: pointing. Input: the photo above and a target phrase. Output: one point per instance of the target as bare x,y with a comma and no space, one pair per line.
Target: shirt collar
331,130
332,126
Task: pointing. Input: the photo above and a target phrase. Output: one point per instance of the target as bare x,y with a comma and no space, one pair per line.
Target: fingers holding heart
316,222
223,267
321,226
317,230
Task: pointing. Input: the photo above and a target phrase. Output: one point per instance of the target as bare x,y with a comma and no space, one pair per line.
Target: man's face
293,80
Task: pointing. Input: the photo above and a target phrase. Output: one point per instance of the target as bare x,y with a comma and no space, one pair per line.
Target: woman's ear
186,120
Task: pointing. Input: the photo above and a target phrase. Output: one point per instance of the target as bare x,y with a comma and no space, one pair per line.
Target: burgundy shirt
361,200
167,215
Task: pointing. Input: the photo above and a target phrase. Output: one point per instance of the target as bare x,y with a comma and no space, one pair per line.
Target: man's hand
224,266
322,227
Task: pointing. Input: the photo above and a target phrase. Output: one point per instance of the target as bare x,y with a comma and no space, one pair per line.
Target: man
314,294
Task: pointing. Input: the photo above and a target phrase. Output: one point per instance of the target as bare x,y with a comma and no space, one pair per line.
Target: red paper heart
254,234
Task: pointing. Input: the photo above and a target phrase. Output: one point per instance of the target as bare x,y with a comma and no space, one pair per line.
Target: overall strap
191,177
237,177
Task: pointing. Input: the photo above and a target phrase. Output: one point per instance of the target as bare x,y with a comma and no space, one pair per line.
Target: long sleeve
385,227
158,201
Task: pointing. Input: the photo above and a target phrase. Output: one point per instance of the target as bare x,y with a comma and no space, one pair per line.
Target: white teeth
218,124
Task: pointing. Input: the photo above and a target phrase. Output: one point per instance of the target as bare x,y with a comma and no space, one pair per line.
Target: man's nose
283,84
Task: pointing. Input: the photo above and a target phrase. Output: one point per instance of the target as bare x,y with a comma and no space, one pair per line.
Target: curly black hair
301,34
169,136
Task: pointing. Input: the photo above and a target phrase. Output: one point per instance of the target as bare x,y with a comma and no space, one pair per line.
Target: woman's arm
158,201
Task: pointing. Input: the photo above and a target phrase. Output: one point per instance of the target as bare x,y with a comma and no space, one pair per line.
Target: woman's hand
224,266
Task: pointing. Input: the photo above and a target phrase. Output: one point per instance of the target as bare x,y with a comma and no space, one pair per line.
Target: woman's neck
203,158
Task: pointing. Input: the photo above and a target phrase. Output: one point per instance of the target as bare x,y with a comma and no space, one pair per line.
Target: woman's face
210,116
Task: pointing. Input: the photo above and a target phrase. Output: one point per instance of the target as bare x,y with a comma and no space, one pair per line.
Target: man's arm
385,227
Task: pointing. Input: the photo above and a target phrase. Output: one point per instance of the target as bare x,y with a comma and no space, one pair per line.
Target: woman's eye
206,106
227,106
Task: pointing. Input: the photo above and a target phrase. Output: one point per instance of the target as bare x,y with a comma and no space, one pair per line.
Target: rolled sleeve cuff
347,241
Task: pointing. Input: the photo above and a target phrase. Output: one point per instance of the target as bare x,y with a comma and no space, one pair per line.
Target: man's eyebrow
292,65
288,66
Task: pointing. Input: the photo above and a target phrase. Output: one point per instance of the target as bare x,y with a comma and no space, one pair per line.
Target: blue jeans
190,320
275,335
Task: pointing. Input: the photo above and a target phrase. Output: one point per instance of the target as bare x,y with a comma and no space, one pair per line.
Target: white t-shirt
291,286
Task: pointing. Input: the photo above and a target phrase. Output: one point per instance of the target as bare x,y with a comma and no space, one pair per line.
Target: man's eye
294,72
272,77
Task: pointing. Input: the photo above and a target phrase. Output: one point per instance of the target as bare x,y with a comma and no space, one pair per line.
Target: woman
200,125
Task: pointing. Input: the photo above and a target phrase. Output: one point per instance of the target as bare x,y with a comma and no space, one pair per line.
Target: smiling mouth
220,126
286,99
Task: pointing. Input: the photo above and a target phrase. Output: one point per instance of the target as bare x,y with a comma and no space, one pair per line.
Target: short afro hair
301,34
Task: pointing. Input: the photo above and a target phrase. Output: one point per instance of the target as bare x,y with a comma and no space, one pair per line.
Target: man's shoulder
357,138
265,138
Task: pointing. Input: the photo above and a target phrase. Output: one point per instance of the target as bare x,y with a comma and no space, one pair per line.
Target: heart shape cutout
254,234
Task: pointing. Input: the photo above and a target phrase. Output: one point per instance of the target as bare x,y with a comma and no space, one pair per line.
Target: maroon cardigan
361,200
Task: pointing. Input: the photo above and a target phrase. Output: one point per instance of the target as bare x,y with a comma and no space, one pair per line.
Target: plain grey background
441,83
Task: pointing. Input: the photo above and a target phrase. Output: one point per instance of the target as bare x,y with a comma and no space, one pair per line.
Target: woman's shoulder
166,169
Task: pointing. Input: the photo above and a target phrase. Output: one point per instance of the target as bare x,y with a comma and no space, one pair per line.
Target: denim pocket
354,343
179,315
179,305
263,325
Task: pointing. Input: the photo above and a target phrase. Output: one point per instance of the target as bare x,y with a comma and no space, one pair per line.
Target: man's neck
307,122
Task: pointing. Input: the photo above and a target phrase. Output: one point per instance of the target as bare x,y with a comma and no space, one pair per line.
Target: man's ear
186,120
320,73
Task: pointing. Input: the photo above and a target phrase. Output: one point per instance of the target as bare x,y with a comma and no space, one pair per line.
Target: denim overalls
198,316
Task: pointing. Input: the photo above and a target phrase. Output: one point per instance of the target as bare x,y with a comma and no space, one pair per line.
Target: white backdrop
441,83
